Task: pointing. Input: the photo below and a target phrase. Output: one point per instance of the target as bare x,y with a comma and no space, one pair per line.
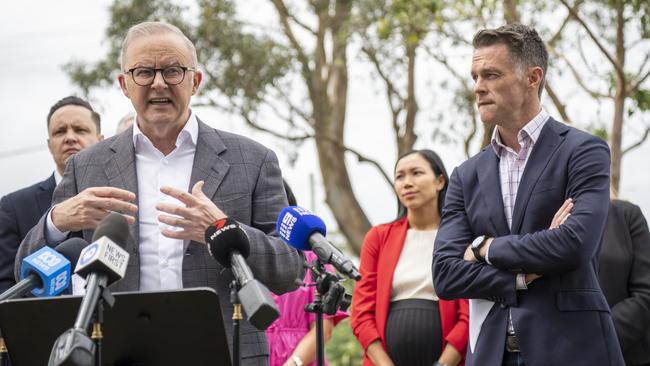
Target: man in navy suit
523,221
72,125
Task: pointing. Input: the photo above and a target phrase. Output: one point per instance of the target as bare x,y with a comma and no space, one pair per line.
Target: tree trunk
619,100
329,101
406,142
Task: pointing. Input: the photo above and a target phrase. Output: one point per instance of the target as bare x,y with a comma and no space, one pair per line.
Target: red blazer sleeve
363,321
459,334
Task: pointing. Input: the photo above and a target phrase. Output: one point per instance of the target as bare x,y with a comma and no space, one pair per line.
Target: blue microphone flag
295,225
52,268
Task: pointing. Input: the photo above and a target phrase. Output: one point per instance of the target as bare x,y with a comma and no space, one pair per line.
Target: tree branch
638,83
249,121
304,115
372,55
301,24
283,12
468,95
583,56
576,75
362,159
638,143
235,109
559,106
591,34
558,34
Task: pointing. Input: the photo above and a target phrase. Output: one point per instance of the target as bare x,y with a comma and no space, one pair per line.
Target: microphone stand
236,317
328,298
74,343
97,334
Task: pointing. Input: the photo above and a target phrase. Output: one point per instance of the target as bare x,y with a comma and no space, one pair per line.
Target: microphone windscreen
51,267
295,225
114,227
71,249
224,236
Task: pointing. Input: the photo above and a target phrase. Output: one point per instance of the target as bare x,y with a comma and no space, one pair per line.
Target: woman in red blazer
396,315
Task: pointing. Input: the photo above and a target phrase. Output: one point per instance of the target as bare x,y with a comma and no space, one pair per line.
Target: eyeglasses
144,76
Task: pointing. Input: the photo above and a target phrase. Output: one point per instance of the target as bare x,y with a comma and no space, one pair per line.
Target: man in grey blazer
146,172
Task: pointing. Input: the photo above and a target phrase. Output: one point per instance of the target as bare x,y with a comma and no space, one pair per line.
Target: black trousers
413,332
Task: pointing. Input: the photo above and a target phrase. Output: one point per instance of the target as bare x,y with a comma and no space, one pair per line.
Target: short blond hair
155,28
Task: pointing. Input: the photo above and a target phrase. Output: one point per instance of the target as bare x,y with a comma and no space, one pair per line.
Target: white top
161,258
412,278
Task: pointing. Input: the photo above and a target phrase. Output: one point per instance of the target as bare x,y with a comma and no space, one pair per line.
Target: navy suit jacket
19,212
563,317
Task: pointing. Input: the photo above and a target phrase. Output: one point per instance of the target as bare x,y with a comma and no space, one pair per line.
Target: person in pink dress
292,337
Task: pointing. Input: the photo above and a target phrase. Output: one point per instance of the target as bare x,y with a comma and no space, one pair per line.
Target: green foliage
240,65
124,14
641,98
343,349
642,9
600,132
408,21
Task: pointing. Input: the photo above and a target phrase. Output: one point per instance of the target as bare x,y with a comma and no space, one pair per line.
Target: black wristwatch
477,244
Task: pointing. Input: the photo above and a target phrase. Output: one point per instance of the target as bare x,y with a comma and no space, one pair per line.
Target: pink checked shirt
512,164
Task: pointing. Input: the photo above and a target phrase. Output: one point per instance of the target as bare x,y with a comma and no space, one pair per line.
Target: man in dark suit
528,268
172,176
624,276
72,125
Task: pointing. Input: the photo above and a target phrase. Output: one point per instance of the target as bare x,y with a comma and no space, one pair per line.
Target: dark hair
290,197
72,100
525,47
438,168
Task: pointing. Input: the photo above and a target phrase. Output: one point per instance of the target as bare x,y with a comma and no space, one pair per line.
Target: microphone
46,272
102,262
229,245
303,230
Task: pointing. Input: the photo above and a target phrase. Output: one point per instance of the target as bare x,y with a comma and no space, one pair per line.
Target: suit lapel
208,165
121,173
44,194
548,142
489,182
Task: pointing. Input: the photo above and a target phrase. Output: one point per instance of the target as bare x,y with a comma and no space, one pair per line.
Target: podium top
183,327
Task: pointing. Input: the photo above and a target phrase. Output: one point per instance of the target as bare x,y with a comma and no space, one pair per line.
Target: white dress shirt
161,258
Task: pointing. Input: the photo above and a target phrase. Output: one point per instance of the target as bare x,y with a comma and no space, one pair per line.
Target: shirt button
165,263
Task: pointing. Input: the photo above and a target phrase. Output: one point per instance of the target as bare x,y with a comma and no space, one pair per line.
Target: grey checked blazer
243,179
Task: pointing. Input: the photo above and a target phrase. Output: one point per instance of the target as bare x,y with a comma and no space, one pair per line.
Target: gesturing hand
198,213
88,208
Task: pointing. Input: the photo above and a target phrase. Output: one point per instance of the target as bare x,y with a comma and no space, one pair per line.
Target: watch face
477,242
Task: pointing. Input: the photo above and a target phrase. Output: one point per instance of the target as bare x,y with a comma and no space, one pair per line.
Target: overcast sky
38,37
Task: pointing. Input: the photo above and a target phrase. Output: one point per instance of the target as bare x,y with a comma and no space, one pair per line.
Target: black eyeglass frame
162,73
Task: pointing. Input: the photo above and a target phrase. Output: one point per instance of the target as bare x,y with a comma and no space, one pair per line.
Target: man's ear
535,77
196,81
121,79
